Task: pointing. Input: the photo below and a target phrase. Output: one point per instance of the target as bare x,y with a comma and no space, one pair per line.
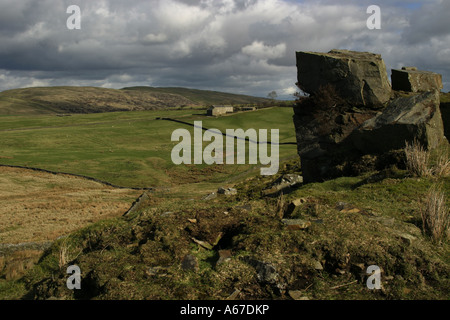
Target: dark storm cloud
243,46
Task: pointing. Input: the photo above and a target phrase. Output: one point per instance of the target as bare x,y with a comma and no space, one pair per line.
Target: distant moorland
51,100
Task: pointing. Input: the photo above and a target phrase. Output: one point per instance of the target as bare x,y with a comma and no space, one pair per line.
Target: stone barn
219,110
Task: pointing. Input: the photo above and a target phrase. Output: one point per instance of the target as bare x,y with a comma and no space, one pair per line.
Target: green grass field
130,149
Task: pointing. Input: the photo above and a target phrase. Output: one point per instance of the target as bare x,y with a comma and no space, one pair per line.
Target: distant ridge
66,100
203,97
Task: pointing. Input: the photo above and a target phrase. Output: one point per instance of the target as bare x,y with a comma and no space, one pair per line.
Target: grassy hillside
130,149
48,100
203,97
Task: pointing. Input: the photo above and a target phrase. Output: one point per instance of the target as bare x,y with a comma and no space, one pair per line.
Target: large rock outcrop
347,131
359,77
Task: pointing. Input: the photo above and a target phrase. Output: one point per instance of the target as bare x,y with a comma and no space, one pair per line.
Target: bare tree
272,95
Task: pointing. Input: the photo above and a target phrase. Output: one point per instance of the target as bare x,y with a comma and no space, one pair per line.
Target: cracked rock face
359,77
353,122
410,79
404,119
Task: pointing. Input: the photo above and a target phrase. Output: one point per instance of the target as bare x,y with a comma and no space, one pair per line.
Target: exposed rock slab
404,119
412,80
359,77
353,122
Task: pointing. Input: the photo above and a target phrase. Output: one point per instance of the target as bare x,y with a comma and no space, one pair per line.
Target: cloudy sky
240,46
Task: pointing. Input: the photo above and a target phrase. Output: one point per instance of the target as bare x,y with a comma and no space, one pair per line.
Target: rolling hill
57,100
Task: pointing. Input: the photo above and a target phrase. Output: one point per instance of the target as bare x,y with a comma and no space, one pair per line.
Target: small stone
286,181
407,238
234,295
298,202
227,192
204,244
292,179
340,271
296,224
189,263
210,196
224,256
293,207
297,295
317,265
217,239
412,229
192,220
266,272
359,266
341,206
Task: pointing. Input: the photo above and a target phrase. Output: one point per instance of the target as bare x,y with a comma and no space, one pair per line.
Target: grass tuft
442,167
417,159
435,215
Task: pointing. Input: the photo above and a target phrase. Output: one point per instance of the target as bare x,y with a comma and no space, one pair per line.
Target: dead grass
417,159
435,215
38,207
15,265
442,167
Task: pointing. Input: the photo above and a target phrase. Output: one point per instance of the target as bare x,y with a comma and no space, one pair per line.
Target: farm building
219,110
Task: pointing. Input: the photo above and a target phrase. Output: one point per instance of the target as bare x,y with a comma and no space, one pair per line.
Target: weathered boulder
359,77
338,129
404,119
321,135
412,80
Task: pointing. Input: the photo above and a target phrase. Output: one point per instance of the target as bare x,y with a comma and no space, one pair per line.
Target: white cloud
230,45
289,91
260,51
